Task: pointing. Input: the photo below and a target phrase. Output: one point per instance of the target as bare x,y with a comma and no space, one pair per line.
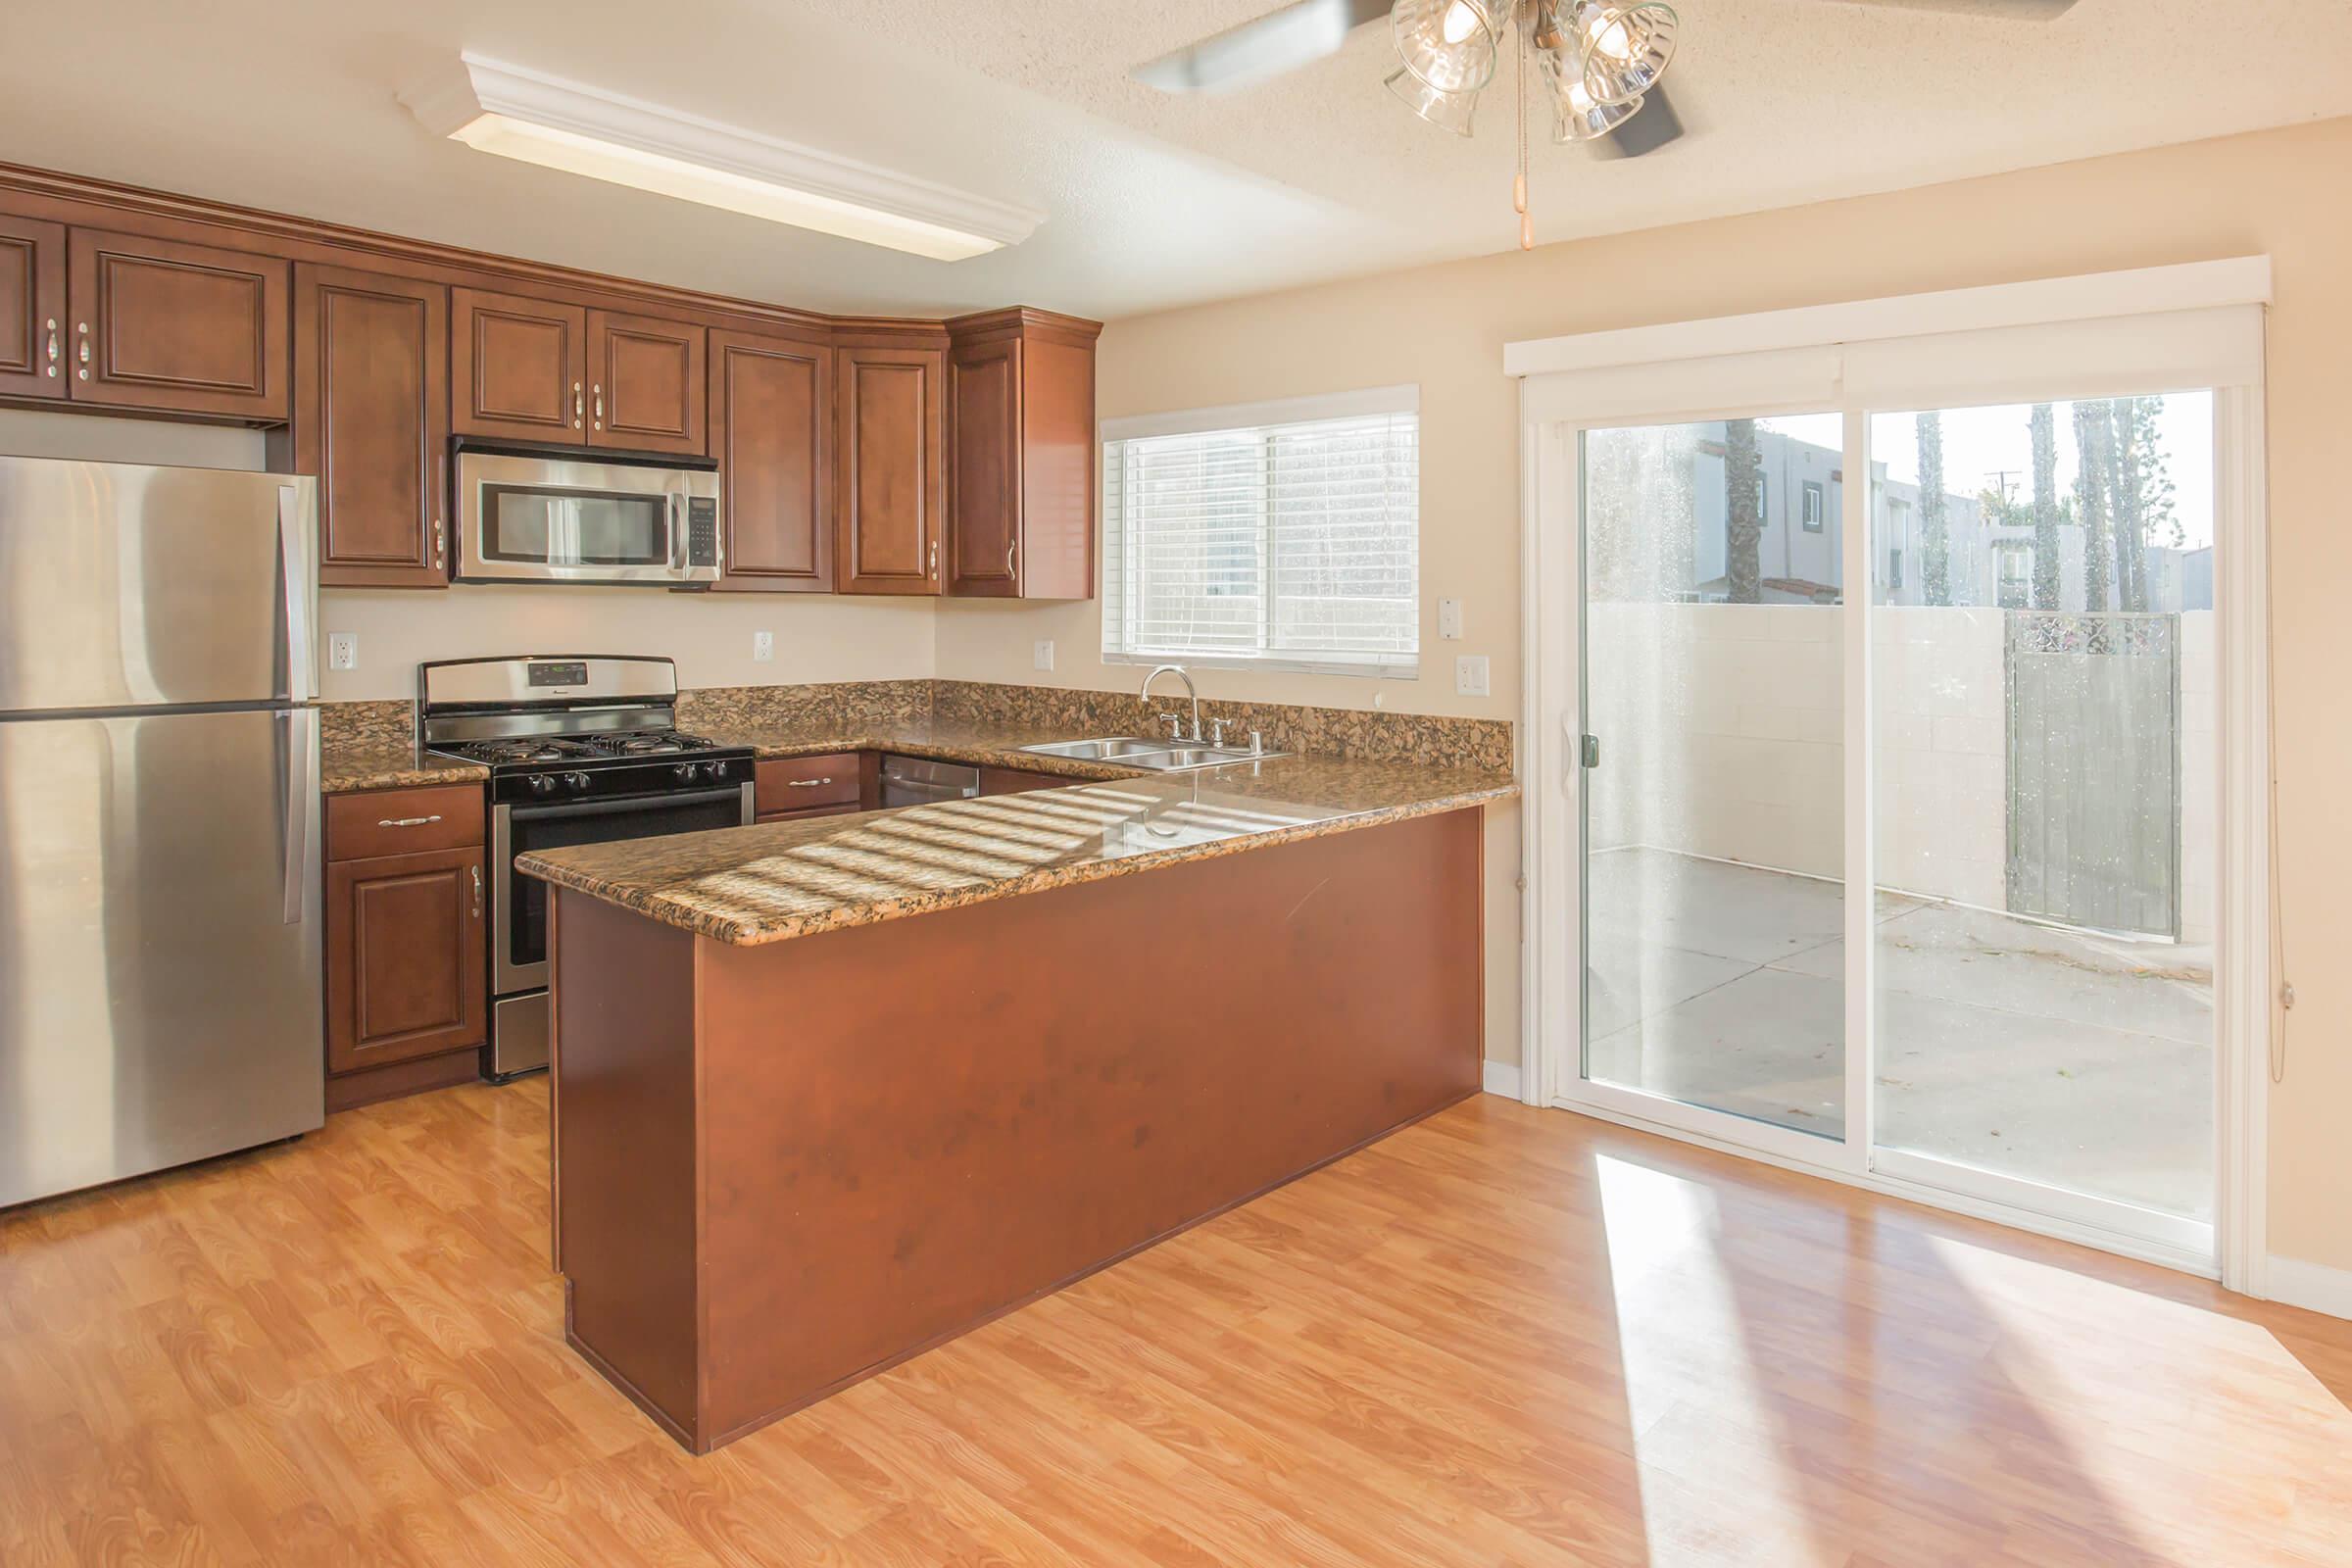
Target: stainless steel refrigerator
159,819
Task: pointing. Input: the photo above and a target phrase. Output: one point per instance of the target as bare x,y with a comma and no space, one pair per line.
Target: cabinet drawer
445,816
795,783
843,810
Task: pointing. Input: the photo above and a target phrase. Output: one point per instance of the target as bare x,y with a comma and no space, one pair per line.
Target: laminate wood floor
1504,1335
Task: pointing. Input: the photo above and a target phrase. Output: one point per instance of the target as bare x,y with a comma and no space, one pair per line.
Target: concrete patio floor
2083,1061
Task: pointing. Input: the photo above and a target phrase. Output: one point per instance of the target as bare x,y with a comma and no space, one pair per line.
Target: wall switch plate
342,650
1470,675
1042,654
1449,617
764,647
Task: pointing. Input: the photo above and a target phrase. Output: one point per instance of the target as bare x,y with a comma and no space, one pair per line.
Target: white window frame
2199,324
1400,399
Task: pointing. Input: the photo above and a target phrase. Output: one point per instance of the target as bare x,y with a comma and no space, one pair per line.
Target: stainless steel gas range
581,750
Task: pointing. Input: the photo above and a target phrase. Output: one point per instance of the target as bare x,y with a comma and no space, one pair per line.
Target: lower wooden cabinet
1018,781
407,941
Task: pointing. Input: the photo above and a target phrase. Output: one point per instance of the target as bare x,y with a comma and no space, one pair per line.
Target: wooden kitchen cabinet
371,422
177,328
407,941
1019,781
771,429
33,329
1021,456
645,384
890,477
518,369
797,785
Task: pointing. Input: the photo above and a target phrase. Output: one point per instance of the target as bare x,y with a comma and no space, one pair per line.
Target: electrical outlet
1042,655
764,647
1449,617
342,651
1470,675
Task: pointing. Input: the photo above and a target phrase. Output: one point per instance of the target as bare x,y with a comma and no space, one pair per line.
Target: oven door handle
633,803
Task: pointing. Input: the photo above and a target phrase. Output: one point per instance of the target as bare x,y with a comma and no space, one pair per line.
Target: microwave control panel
702,531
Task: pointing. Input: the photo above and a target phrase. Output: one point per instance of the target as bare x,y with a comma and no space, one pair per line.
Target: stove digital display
575,673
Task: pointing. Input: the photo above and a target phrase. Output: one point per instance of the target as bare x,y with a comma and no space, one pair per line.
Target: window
1895,569
1280,536
2016,576
1813,505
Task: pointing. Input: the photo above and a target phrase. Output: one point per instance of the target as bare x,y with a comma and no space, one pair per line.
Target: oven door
555,520
518,903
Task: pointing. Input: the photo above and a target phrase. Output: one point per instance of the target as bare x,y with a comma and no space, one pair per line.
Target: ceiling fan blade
1653,129
1279,41
2009,10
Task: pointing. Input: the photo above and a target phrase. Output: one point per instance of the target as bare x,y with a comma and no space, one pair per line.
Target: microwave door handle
676,501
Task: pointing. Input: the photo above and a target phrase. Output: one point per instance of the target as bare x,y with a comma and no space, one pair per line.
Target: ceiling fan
1600,60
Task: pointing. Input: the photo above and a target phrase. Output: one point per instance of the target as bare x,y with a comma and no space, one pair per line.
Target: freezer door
159,942
131,587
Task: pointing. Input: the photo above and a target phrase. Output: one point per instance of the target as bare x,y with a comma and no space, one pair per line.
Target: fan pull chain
1527,221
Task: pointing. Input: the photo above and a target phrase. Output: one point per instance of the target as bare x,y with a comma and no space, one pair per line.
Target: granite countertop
346,765
753,885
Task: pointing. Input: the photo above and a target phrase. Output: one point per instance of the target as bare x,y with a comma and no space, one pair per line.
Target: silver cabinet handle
407,822
805,783
440,542
1012,548
934,558
82,350
575,404
50,327
600,405
478,890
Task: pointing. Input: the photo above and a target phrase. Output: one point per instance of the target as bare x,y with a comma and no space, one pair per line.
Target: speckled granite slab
843,702
769,883
367,723
372,746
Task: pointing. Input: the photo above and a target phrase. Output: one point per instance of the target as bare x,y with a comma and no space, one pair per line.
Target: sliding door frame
1672,374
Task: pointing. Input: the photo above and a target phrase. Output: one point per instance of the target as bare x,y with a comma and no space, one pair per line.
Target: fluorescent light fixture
519,113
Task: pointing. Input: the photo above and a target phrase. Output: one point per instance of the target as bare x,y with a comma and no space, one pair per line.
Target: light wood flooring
1503,1337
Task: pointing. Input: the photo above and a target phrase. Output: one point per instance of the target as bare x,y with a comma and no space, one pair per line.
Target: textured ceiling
1154,199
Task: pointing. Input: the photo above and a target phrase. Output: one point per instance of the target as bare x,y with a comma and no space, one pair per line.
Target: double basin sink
1137,750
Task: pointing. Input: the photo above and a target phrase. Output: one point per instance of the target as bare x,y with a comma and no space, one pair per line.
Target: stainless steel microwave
549,518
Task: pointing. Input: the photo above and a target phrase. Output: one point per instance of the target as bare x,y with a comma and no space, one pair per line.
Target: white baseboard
2313,1286
1502,1078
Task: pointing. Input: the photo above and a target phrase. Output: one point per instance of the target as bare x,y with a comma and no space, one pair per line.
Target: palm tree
1934,538
1744,512
2046,578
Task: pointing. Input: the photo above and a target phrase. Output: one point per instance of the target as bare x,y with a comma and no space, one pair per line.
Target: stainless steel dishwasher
914,780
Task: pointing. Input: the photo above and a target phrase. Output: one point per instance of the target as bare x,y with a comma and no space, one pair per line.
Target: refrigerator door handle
297,758
294,562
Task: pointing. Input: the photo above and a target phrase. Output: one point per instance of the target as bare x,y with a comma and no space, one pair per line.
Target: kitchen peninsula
830,1092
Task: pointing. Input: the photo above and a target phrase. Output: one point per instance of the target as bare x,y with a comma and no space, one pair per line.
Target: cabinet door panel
984,413
771,418
645,384
32,308
1019,781
519,367
890,469
372,421
177,328
405,958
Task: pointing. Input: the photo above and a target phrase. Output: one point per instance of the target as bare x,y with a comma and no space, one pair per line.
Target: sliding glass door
2019,600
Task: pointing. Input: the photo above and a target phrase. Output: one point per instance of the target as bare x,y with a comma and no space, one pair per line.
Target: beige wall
1444,328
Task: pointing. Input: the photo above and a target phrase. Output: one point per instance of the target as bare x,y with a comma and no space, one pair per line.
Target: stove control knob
683,772
577,781
543,783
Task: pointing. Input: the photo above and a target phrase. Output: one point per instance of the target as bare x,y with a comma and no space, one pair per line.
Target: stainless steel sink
1160,757
1103,750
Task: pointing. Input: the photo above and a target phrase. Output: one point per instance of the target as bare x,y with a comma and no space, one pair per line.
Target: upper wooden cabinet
1022,465
518,369
32,308
889,478
645,384
372,421
177,328
771,424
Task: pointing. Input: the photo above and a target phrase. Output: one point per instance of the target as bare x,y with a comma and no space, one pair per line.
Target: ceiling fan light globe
1577,117
1448,46
1448,111
1625,45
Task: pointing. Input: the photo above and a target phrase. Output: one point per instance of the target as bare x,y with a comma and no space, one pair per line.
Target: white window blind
1276,536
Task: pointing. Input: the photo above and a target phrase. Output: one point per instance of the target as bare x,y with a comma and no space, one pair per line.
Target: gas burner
516,753
647,743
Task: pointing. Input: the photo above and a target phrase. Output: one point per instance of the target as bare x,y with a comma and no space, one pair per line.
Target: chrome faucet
1176,725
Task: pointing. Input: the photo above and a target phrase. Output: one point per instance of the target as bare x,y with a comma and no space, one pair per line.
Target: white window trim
1402,399
2206,324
